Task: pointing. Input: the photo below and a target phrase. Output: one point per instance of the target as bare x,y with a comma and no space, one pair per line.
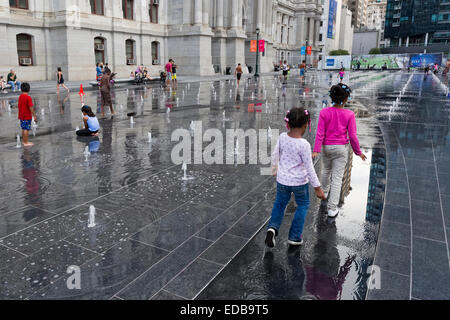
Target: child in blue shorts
26,113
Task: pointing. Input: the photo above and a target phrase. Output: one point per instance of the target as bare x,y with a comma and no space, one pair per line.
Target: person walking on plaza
26,113
285,70
174,75
12,81
341,74
105,91
169,72
303,70
91,124
60,80
336,128
295,171
238,73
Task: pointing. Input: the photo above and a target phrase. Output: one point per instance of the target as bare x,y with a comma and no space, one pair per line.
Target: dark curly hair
87,110
339,93
297,117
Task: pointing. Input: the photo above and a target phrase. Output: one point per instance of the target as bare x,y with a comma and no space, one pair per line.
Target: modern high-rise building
423,25
359,12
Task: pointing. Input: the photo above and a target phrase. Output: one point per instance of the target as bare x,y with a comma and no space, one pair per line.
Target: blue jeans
11,83
301,194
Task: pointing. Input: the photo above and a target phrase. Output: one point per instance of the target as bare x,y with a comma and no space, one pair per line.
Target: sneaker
270,238
295,243
333,213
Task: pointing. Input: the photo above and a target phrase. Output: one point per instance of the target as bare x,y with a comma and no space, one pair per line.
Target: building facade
375,20
364,40
336,31
417,24
202,36
359,12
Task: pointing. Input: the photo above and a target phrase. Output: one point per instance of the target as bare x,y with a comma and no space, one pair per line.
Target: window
127,7
24,49
320,37
99,49
21,4
129,49
97,7
154,4
155,53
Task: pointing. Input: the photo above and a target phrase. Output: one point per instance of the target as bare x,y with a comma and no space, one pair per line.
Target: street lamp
257,53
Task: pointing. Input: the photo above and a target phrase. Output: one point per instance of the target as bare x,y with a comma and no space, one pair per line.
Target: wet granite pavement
159,237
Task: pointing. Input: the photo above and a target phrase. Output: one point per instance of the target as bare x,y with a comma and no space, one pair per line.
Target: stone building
336,31
202,36
376,13
359,12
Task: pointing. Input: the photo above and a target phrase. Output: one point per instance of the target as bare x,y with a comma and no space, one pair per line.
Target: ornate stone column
259,14
234,13
311,31
206,9
198,12
219,13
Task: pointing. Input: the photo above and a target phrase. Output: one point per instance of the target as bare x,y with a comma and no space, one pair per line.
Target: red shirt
169,67
25,103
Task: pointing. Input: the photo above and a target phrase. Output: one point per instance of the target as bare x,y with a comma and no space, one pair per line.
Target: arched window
128,9
97,7
25,49
99,49
155,53
129,49
21,4
154,6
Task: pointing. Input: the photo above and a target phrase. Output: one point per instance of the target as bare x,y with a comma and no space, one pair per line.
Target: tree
339,52
375,51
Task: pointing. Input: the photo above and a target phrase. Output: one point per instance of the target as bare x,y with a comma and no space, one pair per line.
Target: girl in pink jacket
336,129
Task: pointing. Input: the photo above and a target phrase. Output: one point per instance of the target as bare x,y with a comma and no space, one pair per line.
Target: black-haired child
91,124
336,128
295,171
26,113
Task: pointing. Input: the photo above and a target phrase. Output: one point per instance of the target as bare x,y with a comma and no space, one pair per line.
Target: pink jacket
334,125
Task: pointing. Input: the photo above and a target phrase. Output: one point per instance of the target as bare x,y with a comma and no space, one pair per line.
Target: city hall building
204,37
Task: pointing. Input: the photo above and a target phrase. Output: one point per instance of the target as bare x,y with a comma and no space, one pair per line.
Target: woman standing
60,80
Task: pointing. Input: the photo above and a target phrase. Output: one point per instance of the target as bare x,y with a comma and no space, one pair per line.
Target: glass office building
417,23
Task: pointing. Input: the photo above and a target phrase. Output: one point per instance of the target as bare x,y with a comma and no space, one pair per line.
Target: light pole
257,53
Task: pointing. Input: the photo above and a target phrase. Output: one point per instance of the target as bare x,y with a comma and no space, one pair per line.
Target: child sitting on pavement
91,124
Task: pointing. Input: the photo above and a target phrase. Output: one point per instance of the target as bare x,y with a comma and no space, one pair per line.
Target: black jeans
85,132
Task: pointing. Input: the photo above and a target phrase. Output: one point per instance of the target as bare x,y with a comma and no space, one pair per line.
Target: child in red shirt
26,113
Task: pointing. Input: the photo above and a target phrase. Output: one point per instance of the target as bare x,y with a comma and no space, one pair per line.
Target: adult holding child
105,91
